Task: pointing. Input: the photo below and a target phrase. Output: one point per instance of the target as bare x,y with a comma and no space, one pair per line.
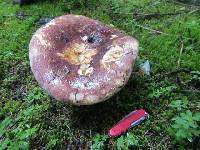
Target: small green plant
162,91
35,94
124,142
10,107
15,133
186,126
178,104
99,142
52,142
15,138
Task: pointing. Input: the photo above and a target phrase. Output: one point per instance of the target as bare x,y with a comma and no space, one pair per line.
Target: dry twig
155,15
179,59
183,4
160,32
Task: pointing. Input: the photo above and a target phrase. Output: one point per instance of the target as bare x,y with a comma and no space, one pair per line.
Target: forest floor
169,36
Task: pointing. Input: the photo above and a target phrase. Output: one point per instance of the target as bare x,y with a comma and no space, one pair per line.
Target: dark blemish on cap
91,39
64,37
95,38
66,70
50,77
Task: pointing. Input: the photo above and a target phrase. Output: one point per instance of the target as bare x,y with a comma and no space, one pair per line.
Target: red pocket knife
131,120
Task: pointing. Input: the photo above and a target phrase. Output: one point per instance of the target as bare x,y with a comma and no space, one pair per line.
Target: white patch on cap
84,38
120,63
92,85
119,82
84,83
77,84
42,40
112,55
51,78
72,96
79,96
34,53
113,36
92,98
130,45
56,81
85,70
97,81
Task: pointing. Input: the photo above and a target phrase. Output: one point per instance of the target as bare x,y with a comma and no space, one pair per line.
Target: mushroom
80,60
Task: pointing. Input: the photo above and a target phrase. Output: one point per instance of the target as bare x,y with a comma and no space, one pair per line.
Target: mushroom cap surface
80,60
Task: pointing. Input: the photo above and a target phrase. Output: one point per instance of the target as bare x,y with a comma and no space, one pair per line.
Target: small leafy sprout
124,142
17,132
35,94
186,126
51,144
98,142
178,104
162,91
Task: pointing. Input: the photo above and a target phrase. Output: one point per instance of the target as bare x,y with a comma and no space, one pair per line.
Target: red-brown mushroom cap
80,60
